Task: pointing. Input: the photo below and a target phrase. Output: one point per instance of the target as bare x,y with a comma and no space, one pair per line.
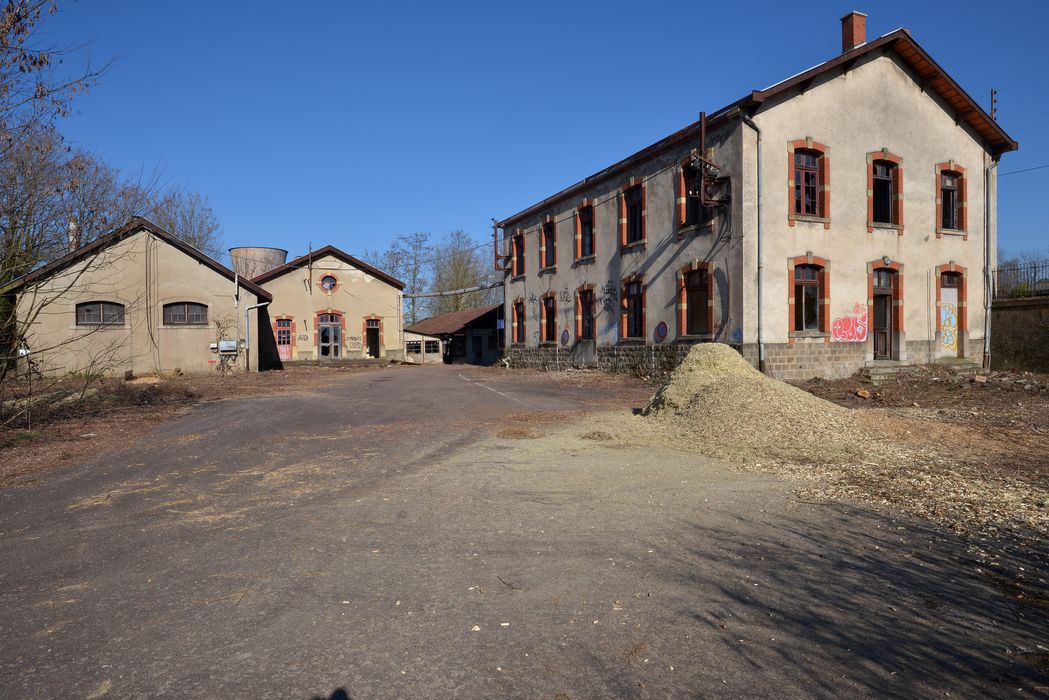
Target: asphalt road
376,539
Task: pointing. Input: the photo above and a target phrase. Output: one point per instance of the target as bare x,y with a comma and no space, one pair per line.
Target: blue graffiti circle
564,337
661,331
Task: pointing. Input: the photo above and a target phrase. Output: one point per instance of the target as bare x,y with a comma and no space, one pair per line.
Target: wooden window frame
548,244
185,308
962,194
580,254
683,200
101,307
633,185
517,254
823,182
897,191
518,327
548,311
584,291
624,318
823,297
682,304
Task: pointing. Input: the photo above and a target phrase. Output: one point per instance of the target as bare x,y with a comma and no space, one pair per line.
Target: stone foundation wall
1020,334
638,360
807,359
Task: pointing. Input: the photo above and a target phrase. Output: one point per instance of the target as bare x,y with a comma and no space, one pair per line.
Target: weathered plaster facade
142,270
359,315
869,105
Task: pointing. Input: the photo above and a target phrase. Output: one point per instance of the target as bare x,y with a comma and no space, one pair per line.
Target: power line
1025,170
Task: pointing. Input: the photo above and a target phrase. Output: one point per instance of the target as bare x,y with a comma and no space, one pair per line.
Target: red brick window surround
632,313
585,313
585,231
518,325
957,275
328,283
884,191
337,316
695,300
808,297
951,200
691,214
548,318
633,214
284,331
517,254
808,182
373,319
548,245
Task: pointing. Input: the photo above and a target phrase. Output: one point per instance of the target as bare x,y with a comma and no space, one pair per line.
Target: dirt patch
516,433
966,476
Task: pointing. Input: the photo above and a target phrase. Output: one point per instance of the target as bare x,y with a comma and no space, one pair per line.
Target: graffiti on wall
565,296
851,329
610,296
353,342
949,327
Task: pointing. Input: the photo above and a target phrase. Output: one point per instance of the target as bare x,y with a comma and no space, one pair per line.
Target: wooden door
882,327
329,337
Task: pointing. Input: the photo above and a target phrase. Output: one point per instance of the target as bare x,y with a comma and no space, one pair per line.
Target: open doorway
882,328
371,330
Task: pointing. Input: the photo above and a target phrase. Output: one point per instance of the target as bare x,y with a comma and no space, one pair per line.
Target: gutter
761,264
988,277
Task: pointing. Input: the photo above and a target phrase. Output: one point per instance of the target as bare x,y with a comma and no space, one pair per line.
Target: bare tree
189,216
409,259
459,262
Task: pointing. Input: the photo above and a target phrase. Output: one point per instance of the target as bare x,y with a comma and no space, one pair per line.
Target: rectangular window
697,301
549,319
806,298
807,183
550,244
586,304
949,197
185,314
950,280
414,347
586,231
635,207
519,322
634,300
432,346
695,213
97,313
519,255
884,192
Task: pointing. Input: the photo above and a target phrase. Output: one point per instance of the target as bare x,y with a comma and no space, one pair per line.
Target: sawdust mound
725,408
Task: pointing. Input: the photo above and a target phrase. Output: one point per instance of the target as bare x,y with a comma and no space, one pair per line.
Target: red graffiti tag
851,329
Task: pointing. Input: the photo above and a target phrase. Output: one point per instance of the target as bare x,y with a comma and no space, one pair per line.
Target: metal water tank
252,261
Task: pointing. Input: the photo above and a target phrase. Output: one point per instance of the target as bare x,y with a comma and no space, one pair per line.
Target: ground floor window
519,322
100,313
185,313
586,314
549,319
634,310
432,346
414,347
807,297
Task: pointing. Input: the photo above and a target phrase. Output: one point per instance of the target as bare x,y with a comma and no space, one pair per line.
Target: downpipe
988,276
761,263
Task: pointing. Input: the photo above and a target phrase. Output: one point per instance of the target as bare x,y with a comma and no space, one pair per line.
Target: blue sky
350,123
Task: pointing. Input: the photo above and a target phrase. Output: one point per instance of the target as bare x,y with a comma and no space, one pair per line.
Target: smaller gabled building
473,336
137,300
329,305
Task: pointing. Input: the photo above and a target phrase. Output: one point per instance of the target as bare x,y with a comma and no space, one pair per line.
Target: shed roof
133,227
447,324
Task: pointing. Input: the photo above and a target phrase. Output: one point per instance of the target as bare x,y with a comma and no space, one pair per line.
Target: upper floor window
695,213
329,283
950,280
518,255
634,310
185,313
951,201
586,231
549,246
808,178
885,186
807,294
635,208
100,313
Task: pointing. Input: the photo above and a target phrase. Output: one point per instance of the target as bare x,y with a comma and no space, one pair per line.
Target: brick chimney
853,30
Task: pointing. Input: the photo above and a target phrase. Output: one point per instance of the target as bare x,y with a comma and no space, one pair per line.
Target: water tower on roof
252,261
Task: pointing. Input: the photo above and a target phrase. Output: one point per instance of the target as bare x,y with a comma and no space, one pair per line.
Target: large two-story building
843,216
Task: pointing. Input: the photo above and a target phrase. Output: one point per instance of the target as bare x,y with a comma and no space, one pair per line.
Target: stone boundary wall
638,360
1020,334
805,360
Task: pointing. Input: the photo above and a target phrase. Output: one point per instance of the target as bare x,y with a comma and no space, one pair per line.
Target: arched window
100,313
185,313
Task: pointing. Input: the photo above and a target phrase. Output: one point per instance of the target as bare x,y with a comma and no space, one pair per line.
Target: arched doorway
329,336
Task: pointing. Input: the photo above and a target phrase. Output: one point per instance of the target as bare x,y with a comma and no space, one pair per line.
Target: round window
329,283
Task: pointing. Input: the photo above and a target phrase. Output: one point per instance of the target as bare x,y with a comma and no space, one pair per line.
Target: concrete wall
1020,334
358,297
876,105
143,273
